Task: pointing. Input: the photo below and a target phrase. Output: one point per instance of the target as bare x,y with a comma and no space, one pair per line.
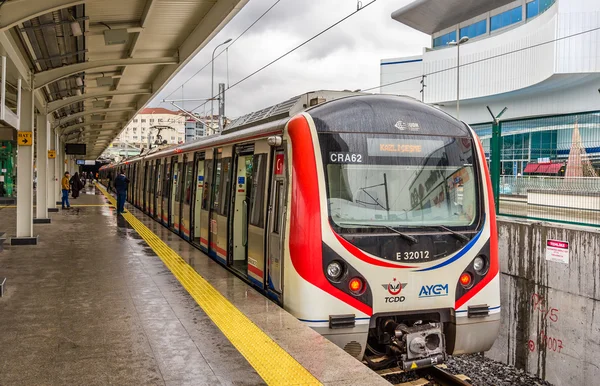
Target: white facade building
539,58
140,130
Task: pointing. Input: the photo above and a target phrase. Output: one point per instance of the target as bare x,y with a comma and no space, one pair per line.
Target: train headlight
334,270
480,265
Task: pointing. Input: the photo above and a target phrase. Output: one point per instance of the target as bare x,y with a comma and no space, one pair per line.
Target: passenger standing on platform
121,183
96,176
76,185
65,191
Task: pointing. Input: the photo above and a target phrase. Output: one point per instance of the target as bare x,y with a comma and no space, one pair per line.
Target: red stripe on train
305,221
494,265
255,270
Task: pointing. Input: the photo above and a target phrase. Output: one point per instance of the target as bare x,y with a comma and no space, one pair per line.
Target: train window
166,180
257,200
158,177
225,187
187,193
276,206
207,184
178,174
217,186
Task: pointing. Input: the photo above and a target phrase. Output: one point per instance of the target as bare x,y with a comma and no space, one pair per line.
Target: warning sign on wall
557,251
51,154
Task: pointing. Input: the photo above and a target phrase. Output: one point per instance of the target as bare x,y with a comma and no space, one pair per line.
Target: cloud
345,57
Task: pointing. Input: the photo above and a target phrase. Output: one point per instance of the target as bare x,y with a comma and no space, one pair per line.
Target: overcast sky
346,57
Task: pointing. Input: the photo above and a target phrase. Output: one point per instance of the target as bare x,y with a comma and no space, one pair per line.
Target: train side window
207,184
166,180
257,195
178,183
225,187
158,179
188,183
216,186
276,207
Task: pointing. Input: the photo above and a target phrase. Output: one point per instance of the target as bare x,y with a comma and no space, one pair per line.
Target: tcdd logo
429,291
394,288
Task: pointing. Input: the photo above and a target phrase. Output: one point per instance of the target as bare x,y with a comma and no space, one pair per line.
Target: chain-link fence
549,167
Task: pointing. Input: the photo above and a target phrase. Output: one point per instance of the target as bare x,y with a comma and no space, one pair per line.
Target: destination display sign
388,147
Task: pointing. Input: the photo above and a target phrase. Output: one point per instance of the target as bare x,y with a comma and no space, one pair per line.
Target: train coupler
416,364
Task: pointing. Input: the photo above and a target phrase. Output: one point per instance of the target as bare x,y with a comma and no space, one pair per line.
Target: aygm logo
429,291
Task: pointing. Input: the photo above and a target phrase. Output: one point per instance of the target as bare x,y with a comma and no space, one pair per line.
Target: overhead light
104,81
78,92
116,36
76,28
79,81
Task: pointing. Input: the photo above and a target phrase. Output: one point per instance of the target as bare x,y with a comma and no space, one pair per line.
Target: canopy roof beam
44,78
59,104
16,12
92,112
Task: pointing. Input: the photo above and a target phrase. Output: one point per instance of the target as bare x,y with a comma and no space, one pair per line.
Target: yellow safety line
275,365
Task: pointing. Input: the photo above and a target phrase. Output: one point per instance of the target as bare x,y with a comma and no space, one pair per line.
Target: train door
186,199
175,194
150,189
276,227
220,205
207,191
242,185
157,197
166,189
146,186
199,212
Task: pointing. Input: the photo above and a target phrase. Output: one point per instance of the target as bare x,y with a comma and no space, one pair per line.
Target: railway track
435,375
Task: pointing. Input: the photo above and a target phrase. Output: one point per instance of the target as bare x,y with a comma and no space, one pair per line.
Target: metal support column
25,174
41,197
495,150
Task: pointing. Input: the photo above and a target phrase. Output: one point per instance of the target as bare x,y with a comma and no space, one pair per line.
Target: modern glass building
538,58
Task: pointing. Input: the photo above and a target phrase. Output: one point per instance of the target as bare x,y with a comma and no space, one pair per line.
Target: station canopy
95,63
431,16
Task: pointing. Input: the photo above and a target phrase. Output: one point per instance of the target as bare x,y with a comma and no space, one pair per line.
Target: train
370,218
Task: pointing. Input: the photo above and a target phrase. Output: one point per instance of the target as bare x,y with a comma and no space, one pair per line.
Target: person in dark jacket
76,185
109,177
121,183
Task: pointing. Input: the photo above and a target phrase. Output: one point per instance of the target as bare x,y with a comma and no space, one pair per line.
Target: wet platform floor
93,304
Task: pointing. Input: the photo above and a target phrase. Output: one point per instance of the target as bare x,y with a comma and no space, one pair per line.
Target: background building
141,131
539,58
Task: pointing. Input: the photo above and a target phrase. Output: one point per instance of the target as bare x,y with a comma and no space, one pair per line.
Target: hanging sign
24,138
51,154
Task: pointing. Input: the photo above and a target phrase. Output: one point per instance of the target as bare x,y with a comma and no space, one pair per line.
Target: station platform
108,299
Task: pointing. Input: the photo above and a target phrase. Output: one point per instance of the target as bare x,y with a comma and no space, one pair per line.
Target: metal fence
546,168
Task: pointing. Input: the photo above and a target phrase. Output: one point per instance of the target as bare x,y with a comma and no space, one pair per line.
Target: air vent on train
353,348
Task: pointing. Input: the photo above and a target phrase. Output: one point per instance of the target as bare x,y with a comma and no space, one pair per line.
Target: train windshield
399,181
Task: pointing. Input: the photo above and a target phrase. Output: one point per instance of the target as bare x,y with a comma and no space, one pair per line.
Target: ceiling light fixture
76,29
79,81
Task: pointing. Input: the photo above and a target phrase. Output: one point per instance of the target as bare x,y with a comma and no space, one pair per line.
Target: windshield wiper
454,233
410,238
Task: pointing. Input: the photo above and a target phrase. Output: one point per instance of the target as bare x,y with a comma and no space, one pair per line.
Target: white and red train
370,218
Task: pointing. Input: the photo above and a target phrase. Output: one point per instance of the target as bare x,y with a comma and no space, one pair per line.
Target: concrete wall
550,310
